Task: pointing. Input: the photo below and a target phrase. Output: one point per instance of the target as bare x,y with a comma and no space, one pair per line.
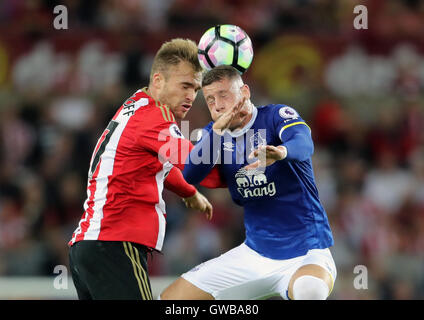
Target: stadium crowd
361,94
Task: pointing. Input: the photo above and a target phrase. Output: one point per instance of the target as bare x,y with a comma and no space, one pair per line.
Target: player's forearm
298,141
202,157
299,147
176,183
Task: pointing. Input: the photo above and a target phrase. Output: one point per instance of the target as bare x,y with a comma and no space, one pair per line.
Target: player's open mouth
186,107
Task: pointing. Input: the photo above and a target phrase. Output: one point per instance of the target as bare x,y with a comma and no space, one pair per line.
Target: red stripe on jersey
85,222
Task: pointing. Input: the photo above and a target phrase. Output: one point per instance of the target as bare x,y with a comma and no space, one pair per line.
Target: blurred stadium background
361,91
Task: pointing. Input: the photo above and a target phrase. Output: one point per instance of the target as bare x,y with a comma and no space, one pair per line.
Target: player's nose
190,95
219,108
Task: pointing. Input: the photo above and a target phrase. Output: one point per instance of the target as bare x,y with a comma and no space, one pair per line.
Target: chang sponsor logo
254,183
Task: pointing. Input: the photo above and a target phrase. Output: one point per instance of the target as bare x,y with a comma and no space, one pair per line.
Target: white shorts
243,274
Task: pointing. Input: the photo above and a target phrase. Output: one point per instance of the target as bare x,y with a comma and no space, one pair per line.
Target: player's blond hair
172,53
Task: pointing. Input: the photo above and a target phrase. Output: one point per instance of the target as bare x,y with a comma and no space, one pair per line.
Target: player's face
179,88
223,95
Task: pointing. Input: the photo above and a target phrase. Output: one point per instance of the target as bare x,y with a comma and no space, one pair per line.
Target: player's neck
152,92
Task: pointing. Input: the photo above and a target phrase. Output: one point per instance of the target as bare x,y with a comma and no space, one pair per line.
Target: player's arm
294,134
297,141
176,183
165,140
206,153
295,137
191,197
203,157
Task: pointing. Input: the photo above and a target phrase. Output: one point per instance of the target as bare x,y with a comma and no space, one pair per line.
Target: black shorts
110,270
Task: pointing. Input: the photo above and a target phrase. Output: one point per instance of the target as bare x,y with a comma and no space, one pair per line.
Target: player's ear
158,80
245,91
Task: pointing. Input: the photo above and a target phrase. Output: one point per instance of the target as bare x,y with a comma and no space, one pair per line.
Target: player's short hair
220,72
171,53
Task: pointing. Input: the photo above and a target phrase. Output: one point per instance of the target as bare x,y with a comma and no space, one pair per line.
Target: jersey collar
242,131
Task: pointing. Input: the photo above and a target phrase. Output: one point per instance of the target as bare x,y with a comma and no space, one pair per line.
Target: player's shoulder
202,131
153,112
208,126
283,111
139,102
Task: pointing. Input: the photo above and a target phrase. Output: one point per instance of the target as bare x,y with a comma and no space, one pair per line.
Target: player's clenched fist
199,202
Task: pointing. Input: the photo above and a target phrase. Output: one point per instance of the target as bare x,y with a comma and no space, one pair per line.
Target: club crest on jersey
257,140
288,113
175,131
253,183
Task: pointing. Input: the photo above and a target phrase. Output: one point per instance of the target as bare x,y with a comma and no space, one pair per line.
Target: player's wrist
195,193
283,152
218,131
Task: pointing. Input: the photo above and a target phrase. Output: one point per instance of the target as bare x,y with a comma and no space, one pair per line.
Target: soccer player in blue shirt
264,155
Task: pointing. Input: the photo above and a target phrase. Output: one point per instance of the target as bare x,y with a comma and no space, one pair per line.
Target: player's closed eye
187,85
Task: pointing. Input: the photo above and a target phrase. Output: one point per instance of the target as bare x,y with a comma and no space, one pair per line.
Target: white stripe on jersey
106,164
160,206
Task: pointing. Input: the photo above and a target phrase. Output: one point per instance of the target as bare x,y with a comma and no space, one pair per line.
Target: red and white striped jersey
127,172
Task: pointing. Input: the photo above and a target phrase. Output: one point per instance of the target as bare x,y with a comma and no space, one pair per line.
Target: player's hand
199,202
266,155
227,117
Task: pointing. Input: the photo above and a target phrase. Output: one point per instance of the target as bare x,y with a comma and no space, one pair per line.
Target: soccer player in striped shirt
124,215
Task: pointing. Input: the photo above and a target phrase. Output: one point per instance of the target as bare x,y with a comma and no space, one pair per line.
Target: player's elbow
310,148
300,148
307,152
307,148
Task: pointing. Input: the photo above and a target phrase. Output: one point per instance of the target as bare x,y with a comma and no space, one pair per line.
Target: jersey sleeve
175,182
165,139
203,156
214,179
294,133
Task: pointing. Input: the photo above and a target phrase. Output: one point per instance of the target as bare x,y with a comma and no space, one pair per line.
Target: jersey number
104,140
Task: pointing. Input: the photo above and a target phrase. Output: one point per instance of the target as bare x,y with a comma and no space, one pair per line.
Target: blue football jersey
283,215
